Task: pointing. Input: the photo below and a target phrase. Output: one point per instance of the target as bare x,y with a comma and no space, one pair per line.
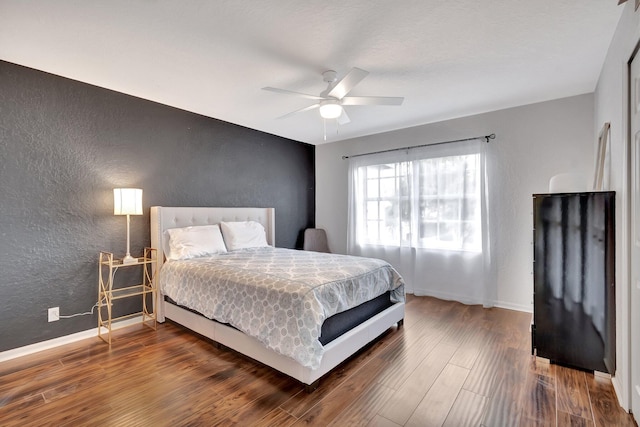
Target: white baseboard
446,296
57,342
471,301
516,307
617,387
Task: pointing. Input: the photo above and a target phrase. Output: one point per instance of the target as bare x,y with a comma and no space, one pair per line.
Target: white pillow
244,234
190,242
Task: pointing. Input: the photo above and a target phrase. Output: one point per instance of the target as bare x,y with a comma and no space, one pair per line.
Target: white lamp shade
127,201
330,110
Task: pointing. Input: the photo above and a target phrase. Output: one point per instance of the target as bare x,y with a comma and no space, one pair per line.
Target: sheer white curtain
425,211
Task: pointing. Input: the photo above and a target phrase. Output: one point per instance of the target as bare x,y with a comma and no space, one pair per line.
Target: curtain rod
486,137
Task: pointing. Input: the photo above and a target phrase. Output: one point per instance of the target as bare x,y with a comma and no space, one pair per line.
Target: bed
370,311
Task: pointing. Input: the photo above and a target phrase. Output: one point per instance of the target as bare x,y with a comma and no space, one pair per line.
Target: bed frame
338,350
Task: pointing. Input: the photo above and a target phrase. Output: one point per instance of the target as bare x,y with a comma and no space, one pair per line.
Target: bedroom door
634,112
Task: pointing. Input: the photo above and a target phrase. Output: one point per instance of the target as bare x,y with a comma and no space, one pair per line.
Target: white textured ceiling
447,58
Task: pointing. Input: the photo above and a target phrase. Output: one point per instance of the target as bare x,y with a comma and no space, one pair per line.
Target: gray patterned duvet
279,296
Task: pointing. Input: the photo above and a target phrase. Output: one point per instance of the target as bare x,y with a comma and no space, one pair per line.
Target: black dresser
574,279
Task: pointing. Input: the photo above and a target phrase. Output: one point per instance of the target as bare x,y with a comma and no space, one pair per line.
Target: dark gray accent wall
65,145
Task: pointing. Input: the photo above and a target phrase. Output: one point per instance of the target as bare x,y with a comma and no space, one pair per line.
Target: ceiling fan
332,100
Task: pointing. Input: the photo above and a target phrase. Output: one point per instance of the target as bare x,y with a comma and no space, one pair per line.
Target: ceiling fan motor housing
329,76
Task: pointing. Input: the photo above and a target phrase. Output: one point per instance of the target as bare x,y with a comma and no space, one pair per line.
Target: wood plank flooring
450,365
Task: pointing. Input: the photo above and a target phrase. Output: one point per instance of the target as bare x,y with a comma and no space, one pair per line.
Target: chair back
315,239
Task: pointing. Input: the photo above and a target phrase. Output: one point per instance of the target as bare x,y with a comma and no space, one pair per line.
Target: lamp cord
87,313
79,314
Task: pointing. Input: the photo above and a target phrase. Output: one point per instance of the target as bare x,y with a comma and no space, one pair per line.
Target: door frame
628,182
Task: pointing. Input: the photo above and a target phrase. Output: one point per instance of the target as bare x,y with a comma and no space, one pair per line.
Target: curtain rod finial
488,137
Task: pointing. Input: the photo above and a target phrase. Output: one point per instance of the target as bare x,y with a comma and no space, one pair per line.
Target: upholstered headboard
163,218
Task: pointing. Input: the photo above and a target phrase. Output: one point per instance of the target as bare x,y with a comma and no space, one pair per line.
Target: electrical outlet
54,314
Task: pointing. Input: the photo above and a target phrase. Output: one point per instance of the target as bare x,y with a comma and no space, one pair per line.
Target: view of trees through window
426,203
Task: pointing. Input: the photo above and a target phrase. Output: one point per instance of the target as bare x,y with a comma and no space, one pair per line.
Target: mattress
279,296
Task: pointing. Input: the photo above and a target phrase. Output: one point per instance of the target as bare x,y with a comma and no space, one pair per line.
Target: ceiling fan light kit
331,101
330,109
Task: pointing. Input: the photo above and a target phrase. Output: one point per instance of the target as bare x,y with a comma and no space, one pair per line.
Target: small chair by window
315,239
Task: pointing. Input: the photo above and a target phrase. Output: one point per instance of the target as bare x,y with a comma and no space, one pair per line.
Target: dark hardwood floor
450,365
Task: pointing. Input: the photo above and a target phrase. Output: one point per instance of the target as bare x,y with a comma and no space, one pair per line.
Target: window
429,203
425,210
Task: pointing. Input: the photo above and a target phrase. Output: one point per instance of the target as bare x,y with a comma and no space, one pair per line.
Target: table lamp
127,201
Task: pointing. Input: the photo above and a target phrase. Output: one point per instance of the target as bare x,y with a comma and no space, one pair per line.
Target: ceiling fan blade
348,82
343,119
309,108
372,100
290,92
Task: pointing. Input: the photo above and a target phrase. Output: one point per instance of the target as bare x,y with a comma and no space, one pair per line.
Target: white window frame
405,222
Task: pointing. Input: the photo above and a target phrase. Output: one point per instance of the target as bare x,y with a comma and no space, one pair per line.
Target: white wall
611,100
532,144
